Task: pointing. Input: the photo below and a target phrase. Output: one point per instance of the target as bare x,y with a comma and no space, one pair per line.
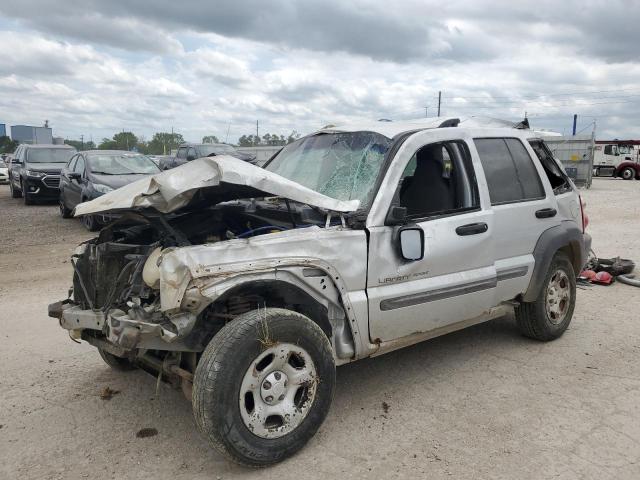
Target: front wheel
15,193
90,222
549,315
628,173
264,386
64,211
26,196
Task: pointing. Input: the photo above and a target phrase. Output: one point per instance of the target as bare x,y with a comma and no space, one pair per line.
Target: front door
456,278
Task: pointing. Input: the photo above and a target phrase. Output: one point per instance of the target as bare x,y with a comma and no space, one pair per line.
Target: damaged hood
208,181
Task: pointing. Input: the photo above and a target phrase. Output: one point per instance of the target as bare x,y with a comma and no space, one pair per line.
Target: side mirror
16,161
74,176
411,242
396,216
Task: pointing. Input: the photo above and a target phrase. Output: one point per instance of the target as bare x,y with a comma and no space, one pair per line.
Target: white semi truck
617,158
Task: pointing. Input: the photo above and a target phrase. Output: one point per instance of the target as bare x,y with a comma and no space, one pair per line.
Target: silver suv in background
246,287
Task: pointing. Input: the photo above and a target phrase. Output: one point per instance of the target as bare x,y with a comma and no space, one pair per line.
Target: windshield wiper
104,173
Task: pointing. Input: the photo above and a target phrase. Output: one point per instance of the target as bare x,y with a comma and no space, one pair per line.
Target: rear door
523,208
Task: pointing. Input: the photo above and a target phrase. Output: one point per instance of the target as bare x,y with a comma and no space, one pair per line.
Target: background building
31,135
3,130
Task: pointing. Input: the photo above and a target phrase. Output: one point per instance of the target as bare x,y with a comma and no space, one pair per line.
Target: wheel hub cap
274,387
277,390
558,297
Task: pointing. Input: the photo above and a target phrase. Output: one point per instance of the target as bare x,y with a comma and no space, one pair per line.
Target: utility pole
426,111
439,101
82,142
257,134
575,122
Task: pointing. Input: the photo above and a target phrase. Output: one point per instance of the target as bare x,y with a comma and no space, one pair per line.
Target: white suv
247,286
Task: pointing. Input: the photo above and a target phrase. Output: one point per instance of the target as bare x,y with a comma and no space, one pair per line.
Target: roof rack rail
450,122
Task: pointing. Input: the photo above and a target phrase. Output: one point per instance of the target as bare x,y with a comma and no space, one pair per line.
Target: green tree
7,145
210,139
120,141
80,146
293,136
245,141
125,140
162,143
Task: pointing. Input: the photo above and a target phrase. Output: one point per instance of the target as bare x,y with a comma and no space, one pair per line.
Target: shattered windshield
343,166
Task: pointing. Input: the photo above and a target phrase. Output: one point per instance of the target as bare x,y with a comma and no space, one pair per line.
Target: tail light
585,217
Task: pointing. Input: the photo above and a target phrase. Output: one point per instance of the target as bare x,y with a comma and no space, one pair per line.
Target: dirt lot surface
480,403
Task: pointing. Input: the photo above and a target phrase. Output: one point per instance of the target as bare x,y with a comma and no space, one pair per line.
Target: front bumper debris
119,328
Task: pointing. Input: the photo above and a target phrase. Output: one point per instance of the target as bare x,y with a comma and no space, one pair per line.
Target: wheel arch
567,238
317,297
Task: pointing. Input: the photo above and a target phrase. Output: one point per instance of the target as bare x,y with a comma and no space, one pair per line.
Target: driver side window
182,153
438,180
79,166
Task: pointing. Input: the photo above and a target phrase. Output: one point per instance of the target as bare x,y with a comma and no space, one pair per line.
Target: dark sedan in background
191,151
96,172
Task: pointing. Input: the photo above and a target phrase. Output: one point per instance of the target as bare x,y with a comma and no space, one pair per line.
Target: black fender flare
567,237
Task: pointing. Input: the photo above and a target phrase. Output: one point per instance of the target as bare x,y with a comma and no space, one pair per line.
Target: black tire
533,318
628,173
90,223
26,197
15,193
117,363
225,364
64,211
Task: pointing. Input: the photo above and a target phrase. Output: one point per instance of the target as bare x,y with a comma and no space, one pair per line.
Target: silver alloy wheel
628,174
278,390
558,297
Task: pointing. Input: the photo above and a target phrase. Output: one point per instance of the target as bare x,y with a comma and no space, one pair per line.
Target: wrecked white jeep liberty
246,286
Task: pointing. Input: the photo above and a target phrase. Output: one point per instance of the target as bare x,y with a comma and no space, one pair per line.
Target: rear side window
511,174
556,176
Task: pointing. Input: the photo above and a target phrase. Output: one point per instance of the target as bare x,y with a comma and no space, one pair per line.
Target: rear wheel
549,315
264,386
628,173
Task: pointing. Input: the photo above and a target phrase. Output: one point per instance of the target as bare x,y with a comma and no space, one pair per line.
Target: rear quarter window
509,169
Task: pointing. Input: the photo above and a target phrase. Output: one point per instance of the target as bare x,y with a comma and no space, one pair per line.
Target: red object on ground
588,274
603,278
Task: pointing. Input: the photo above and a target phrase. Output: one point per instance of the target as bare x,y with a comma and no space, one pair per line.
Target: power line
537,95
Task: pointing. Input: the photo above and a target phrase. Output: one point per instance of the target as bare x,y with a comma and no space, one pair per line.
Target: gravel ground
480,403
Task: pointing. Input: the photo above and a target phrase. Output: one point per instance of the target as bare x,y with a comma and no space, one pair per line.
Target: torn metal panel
215,179
344,249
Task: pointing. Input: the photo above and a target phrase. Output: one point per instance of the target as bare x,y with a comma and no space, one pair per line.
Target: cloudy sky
201,67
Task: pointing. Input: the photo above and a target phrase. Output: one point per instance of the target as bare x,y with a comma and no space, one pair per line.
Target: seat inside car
430,189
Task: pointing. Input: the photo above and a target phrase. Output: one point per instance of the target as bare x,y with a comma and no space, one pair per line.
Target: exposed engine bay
114,274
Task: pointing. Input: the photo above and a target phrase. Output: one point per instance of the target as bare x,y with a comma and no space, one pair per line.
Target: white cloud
200,68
